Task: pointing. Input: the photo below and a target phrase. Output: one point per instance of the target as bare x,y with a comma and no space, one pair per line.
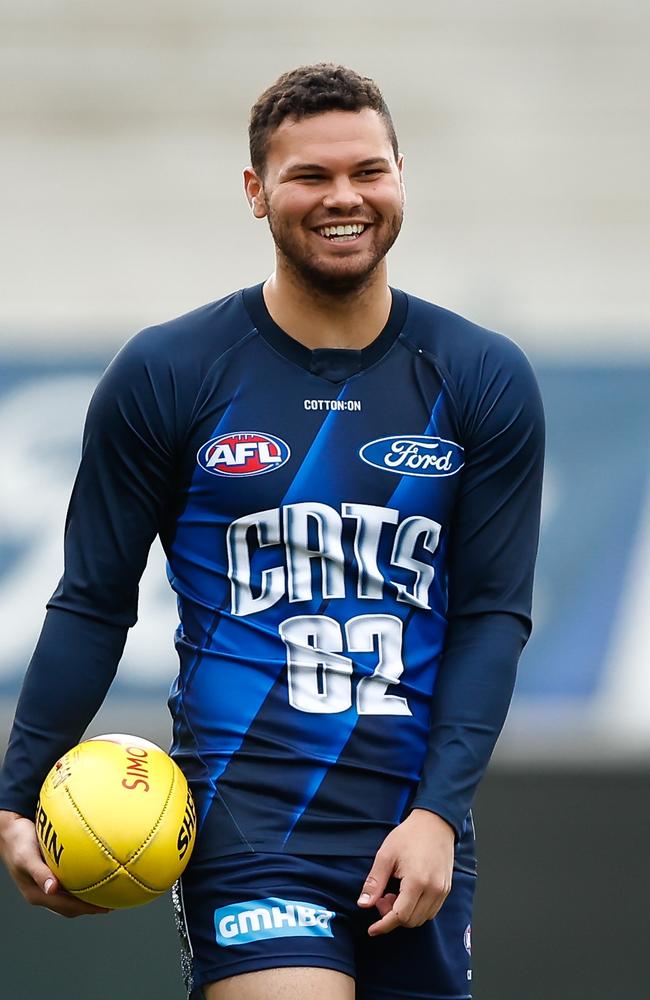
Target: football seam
121,865
154,828
100,843
109,878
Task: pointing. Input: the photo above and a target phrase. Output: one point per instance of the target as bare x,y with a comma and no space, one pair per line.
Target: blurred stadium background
525,128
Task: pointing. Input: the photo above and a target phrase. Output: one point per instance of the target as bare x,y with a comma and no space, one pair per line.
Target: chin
337,281
336,276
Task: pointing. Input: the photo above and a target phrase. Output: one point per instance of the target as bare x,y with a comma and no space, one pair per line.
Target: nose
342,194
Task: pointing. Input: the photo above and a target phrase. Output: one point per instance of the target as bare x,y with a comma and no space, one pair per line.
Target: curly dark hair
310,90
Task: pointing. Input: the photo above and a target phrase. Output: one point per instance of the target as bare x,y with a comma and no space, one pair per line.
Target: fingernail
48,885
364,898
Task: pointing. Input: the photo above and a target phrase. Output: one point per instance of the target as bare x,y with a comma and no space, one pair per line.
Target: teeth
350,230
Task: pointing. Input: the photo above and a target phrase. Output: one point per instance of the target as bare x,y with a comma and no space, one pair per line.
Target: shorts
248,912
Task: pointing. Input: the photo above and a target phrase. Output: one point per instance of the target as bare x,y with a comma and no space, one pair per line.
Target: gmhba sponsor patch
260,919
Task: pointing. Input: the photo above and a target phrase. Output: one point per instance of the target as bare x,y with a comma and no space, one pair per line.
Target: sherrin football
115,821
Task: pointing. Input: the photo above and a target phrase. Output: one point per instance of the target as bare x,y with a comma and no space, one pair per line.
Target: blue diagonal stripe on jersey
179,687
249,691
209,629
406,496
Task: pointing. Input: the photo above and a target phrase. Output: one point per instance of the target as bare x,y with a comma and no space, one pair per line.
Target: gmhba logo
260,919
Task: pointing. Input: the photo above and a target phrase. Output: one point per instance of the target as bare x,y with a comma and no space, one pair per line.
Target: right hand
20,852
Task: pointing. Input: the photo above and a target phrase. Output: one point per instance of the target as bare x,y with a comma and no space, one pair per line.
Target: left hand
420,853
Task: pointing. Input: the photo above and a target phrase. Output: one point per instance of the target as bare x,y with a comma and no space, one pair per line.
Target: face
332,170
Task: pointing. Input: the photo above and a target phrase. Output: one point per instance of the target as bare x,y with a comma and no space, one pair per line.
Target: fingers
385,903
400,912
377,878
387,924
420,853
414,905
65,905
33,877
30,866
54,898
24,860
37,883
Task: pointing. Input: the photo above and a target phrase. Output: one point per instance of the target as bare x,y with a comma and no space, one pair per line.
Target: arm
117,504
493,544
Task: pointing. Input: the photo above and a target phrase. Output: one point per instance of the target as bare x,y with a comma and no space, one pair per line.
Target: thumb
376,880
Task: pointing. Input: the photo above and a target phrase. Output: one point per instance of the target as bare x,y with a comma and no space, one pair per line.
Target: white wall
525,127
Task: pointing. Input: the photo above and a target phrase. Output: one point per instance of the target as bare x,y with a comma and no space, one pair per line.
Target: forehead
329,138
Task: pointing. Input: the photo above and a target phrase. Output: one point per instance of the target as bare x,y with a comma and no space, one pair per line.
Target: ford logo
414,455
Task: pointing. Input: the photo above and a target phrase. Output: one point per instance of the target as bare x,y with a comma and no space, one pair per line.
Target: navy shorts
249,912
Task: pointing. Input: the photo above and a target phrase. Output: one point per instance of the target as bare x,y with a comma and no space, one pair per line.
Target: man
346,481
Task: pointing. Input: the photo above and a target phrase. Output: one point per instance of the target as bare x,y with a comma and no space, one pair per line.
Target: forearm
471,701
70,672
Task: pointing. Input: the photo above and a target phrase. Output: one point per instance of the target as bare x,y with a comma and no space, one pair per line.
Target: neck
317,319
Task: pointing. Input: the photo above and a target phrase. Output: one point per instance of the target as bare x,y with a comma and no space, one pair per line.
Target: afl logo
243,453
414,455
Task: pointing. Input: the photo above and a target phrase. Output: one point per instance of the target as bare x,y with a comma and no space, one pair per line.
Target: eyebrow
300,167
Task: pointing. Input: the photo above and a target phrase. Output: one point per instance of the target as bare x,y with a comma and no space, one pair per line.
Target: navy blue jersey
351,535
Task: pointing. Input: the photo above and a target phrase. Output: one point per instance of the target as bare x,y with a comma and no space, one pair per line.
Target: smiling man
346,481
334,211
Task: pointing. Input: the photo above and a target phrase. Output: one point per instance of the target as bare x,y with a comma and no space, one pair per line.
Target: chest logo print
243,453
414,455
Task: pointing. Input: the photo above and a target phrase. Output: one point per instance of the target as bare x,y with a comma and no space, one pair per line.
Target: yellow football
116,821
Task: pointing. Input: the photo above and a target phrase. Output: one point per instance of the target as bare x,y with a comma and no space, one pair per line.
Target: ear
400,168
254,190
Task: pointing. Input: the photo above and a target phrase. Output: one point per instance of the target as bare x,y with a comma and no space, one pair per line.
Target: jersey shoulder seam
223,354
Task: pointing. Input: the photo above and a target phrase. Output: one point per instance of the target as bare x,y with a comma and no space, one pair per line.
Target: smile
342,234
